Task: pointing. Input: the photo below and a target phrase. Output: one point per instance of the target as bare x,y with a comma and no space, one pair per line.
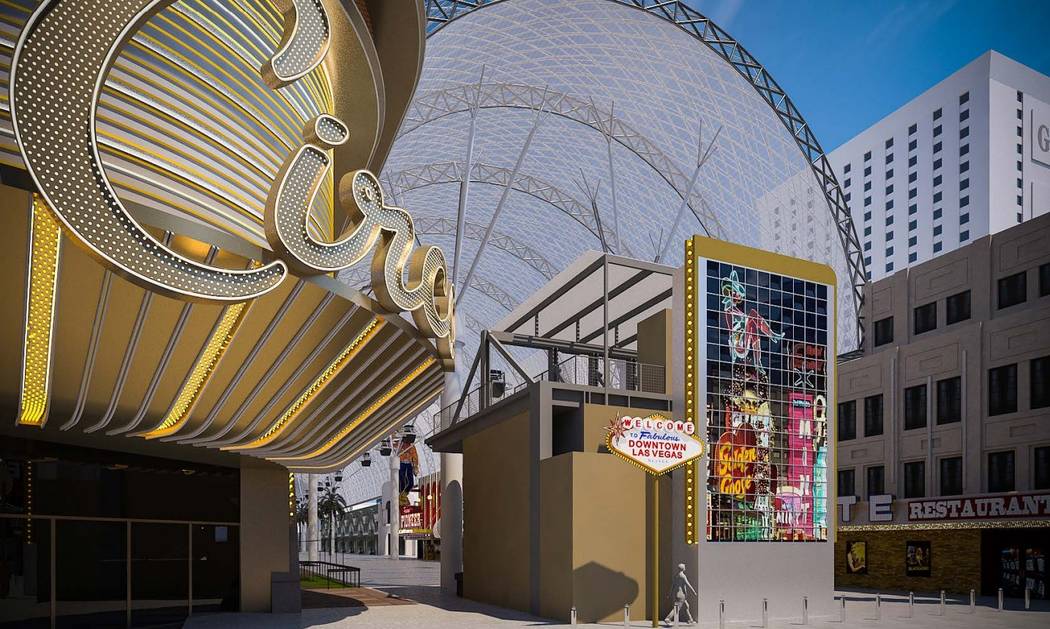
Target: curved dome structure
541,129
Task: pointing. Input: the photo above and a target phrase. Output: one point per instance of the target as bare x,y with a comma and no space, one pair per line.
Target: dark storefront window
1012,290
883,331
1041,463
926,318
873,415
915,407
949,400
1040,382
1001,471
25,568
876,480
915,479
1002,390
951,476
1044,279
847,483
958,307
847,420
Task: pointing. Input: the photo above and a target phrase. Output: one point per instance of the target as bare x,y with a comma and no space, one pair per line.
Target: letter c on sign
59,67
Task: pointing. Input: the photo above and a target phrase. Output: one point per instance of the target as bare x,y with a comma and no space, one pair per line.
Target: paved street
417,581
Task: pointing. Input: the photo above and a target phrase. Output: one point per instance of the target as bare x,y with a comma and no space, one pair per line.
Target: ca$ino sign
655,443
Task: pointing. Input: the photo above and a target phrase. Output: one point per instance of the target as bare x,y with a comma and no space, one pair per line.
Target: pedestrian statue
680,587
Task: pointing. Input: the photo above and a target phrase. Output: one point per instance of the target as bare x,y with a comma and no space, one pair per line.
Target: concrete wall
496,479
265,540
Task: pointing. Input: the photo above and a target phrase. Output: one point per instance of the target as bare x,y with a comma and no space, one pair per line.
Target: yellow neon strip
400,420
289,416
368,412
188,396
692,470
45,240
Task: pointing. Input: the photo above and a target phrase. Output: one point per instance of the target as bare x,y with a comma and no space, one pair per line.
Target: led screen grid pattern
765,345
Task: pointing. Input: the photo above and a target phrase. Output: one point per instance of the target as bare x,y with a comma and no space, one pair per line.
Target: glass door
91,574
159,574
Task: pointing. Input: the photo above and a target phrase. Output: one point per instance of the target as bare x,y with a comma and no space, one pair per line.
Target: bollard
842,609
911,604
1027,598
973,602
878,607
675,613
1000,599
572,616
721,614
805,610
626,615
941,611
765,612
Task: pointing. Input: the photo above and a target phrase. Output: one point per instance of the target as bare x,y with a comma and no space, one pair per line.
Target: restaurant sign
654,443
980,507
411,517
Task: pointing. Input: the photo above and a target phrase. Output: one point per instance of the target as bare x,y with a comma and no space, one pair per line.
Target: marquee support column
395,503
451,516
312,531
655,523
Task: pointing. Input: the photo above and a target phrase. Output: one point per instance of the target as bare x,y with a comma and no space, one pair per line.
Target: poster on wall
917,559
764,341
856,558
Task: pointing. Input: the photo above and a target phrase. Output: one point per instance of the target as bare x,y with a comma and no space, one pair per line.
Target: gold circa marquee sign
60,65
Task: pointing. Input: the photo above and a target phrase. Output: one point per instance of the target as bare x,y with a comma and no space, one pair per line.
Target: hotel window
1044,279
873,415
937,196
915,479
963,167
889,173
915,407
926,317
846,183
867,215
912,193
964,184
937,229
889,189
965,98
889,204
951,476
958,307
889,158
883,331
937,213
1012,290
845,169
867,231
1041,463
912,129
889,267
1001,471
867,201
847,423
964,115
867,186
912,145
964,235
867,171
867,156
889,143
937,131
937,163
937,149
913,257
937,247
848,195
964,149
876,480
867,245
889,250
847,483
1002,390
1039,387
912,225
912,241
949,400
963,202
964,218
913,161
964,132
937,114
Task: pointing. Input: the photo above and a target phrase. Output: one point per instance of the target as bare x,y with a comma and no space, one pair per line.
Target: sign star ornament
654,443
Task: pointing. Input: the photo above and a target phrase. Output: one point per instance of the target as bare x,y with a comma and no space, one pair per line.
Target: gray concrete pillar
451,497
395,502
313,531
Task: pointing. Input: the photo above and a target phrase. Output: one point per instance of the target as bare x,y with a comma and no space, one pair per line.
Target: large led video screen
764,343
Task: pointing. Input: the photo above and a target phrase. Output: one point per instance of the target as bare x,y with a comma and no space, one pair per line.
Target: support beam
464,186
502,199
612,178
689,191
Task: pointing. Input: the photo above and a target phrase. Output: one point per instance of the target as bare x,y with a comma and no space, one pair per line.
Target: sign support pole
656,550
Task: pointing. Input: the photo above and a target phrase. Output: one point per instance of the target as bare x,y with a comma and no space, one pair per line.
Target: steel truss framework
433,105
441,12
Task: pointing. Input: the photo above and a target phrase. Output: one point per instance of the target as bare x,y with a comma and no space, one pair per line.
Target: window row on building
1000,477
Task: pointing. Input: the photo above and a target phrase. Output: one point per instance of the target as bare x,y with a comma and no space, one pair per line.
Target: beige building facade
949,403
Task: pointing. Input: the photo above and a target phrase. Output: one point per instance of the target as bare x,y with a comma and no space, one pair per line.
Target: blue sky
847,64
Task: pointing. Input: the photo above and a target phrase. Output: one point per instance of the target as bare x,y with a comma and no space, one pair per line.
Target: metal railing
348,575
624,375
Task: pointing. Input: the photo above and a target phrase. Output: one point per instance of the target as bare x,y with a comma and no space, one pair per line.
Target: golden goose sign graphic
60,64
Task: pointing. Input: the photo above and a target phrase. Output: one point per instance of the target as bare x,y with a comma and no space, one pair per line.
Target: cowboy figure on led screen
746,330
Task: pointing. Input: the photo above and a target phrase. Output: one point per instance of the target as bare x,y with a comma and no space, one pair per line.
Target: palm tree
302,514
330,504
